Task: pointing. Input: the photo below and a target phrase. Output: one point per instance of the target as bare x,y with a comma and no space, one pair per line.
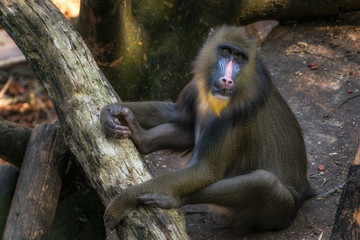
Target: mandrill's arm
153,125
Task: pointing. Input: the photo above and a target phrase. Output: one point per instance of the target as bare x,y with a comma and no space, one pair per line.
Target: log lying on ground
347,218
8,177
78,90
38,188
253,10
13,141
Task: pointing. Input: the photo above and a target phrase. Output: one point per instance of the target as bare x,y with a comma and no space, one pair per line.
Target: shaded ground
324,100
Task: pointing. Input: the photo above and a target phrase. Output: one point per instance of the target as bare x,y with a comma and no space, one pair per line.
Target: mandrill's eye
226,52
239,58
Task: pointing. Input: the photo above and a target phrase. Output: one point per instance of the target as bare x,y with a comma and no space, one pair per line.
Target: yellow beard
216,105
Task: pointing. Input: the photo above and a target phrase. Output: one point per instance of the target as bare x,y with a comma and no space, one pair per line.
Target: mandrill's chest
203,117
208,109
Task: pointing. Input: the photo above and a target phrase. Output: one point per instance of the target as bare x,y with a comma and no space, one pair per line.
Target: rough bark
8,178
146,47
37,190
13,141
347,218
78,90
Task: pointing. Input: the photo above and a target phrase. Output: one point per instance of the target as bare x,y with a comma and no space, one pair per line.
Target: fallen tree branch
38,187
78,90
8,178
13,141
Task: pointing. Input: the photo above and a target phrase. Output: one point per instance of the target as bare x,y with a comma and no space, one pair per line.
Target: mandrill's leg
255,200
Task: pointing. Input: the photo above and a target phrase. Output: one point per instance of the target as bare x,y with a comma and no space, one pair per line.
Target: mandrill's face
231,59
225,71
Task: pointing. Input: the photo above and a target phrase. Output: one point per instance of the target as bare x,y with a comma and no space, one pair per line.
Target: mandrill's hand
119,122
111,124
159,200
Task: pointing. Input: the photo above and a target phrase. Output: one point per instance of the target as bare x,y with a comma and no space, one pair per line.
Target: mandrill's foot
159,200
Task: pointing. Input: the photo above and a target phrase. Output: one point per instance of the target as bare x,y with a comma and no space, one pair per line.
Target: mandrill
248,153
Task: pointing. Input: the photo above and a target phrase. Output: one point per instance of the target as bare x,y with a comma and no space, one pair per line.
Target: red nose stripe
229,69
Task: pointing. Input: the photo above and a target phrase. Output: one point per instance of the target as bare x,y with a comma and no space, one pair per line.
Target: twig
308,51
348,99
6,86
43,107
357,156
332,191
318,54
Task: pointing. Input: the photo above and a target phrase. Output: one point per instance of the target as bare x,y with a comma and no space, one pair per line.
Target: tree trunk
78,90
13,140
146,47
37,191
8,178
115,39
347,218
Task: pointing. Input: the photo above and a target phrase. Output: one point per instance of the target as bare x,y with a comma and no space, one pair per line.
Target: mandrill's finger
121,128
116,121
122,134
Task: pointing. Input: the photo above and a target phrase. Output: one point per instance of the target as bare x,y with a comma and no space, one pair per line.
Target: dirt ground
325,100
